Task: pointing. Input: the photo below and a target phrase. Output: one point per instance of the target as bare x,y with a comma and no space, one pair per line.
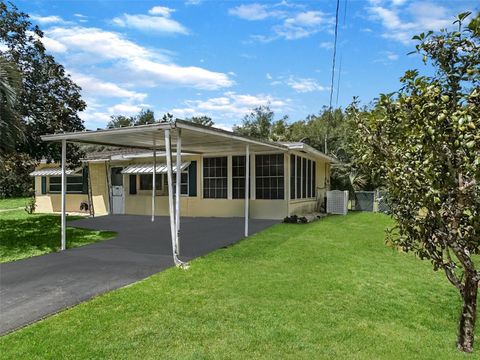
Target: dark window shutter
44,185
85,180
132,184
192,179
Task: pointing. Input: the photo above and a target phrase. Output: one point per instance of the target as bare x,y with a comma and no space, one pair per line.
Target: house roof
196,139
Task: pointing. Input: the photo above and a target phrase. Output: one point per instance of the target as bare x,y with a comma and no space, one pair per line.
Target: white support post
247,186
64,190
154,172
178,190
171,208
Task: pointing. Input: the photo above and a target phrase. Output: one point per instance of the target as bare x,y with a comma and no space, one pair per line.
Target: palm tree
10,86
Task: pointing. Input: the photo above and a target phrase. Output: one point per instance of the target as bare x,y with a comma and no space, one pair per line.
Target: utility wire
338,81
334,55
333,71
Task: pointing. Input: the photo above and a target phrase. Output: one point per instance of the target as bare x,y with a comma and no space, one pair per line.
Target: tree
260,124
10,86
49,101
424,141
202,120
145,117
118,121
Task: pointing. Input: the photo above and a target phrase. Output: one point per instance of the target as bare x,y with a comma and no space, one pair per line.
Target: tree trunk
469,314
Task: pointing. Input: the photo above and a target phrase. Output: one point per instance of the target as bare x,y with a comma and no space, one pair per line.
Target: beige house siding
98,185
140,203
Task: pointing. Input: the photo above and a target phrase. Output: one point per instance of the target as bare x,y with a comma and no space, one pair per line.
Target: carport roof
195,138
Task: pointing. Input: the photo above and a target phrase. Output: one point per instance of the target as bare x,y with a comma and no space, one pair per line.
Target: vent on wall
337,202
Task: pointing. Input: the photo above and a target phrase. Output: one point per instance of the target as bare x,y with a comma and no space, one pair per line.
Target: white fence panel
337,202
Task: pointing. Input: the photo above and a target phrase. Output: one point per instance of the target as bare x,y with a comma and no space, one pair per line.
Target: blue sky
221,59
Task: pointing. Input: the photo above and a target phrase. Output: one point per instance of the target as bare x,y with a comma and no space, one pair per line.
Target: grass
23,235
13,203
326,290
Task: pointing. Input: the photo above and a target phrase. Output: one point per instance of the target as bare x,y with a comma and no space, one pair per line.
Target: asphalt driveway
34,288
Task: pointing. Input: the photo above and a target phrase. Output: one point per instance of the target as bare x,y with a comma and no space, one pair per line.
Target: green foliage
201,120
14,175
261,124
11,130
267,297
424,142
49,101
31,205
144,117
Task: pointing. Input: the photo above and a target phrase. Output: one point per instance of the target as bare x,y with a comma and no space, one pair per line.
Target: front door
117,190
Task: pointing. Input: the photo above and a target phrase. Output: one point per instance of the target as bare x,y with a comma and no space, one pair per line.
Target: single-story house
290,179
216,168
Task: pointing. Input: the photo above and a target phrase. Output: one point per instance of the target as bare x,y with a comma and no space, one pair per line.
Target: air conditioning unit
337,202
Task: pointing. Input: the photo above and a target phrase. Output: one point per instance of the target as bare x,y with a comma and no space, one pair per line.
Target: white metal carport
179,135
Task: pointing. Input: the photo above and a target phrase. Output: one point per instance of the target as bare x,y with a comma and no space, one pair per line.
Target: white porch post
247,186
64,190
154,171
170,193
178,188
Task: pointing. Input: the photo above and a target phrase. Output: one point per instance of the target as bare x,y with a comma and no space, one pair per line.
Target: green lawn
13,203
23,235
326,290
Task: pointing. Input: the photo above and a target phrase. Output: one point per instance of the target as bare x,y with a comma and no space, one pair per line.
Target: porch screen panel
299,176
304,178
269,176
314,179
215,178
309,178
292,177
238,176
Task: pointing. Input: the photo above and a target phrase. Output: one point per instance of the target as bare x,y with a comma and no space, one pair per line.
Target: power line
334,55
338,81
333,72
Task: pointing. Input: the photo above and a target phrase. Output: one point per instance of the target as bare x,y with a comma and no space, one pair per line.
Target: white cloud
182,75
300,85
400,22
326,45
253,12
93,87
132,60
304,85
230,105
392,56
161,10
193,2
160,24
303,24
47,20
53,45
126,109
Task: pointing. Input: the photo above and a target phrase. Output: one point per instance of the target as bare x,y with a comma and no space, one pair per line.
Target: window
269,176
75,184
238,177
146,181
302,178
215,178
183,183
